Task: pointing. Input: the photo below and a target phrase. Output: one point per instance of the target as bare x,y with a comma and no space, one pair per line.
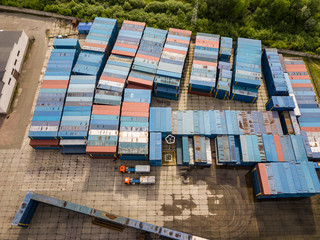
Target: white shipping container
148,180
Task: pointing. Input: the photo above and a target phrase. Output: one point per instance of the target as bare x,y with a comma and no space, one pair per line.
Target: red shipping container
101,149
44,143
200,93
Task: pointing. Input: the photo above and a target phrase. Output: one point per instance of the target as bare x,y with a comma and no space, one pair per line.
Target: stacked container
147,59
129,38
246,70
171,65
102,35
228,150
66,44
103,133
134,125
161,120
202,151
273,73
185,151
155,149
282,149
113,79
286,123
47,115
283,180
217,122
204,66
76,114
84,27
225,50
224,73
89,63
280,103
304,93
252,150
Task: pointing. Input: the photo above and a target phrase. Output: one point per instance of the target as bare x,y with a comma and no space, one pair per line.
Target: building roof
7,40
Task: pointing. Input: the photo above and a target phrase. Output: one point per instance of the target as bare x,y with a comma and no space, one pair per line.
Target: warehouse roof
7,40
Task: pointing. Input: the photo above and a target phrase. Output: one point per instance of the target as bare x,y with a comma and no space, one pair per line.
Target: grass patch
313,66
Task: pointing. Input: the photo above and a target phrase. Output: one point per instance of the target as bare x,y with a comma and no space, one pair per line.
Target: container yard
179,137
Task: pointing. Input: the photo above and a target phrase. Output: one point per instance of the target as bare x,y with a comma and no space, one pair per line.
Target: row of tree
288,24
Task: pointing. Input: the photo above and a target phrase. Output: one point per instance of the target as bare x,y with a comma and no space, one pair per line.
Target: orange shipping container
263,177
101,149
311,129
302,85
97,45
299,77
147,57
123,53
175,51
105,110
134,23
205,63
126,45
112,79
278,148
178,40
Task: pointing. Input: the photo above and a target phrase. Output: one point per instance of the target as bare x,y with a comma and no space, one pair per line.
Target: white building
13,47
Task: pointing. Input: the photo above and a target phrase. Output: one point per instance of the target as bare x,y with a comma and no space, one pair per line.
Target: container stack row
47,115
76,114
194,150
134,125
247,150
246,70
309,119
129,38
155,149
224,73
171,65
289,123
280,103
217,122
161,120
103,132
204,65
102,35
283,180
147,59
273,73
112,81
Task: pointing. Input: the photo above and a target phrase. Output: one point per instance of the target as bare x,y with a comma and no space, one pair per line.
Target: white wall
8,89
